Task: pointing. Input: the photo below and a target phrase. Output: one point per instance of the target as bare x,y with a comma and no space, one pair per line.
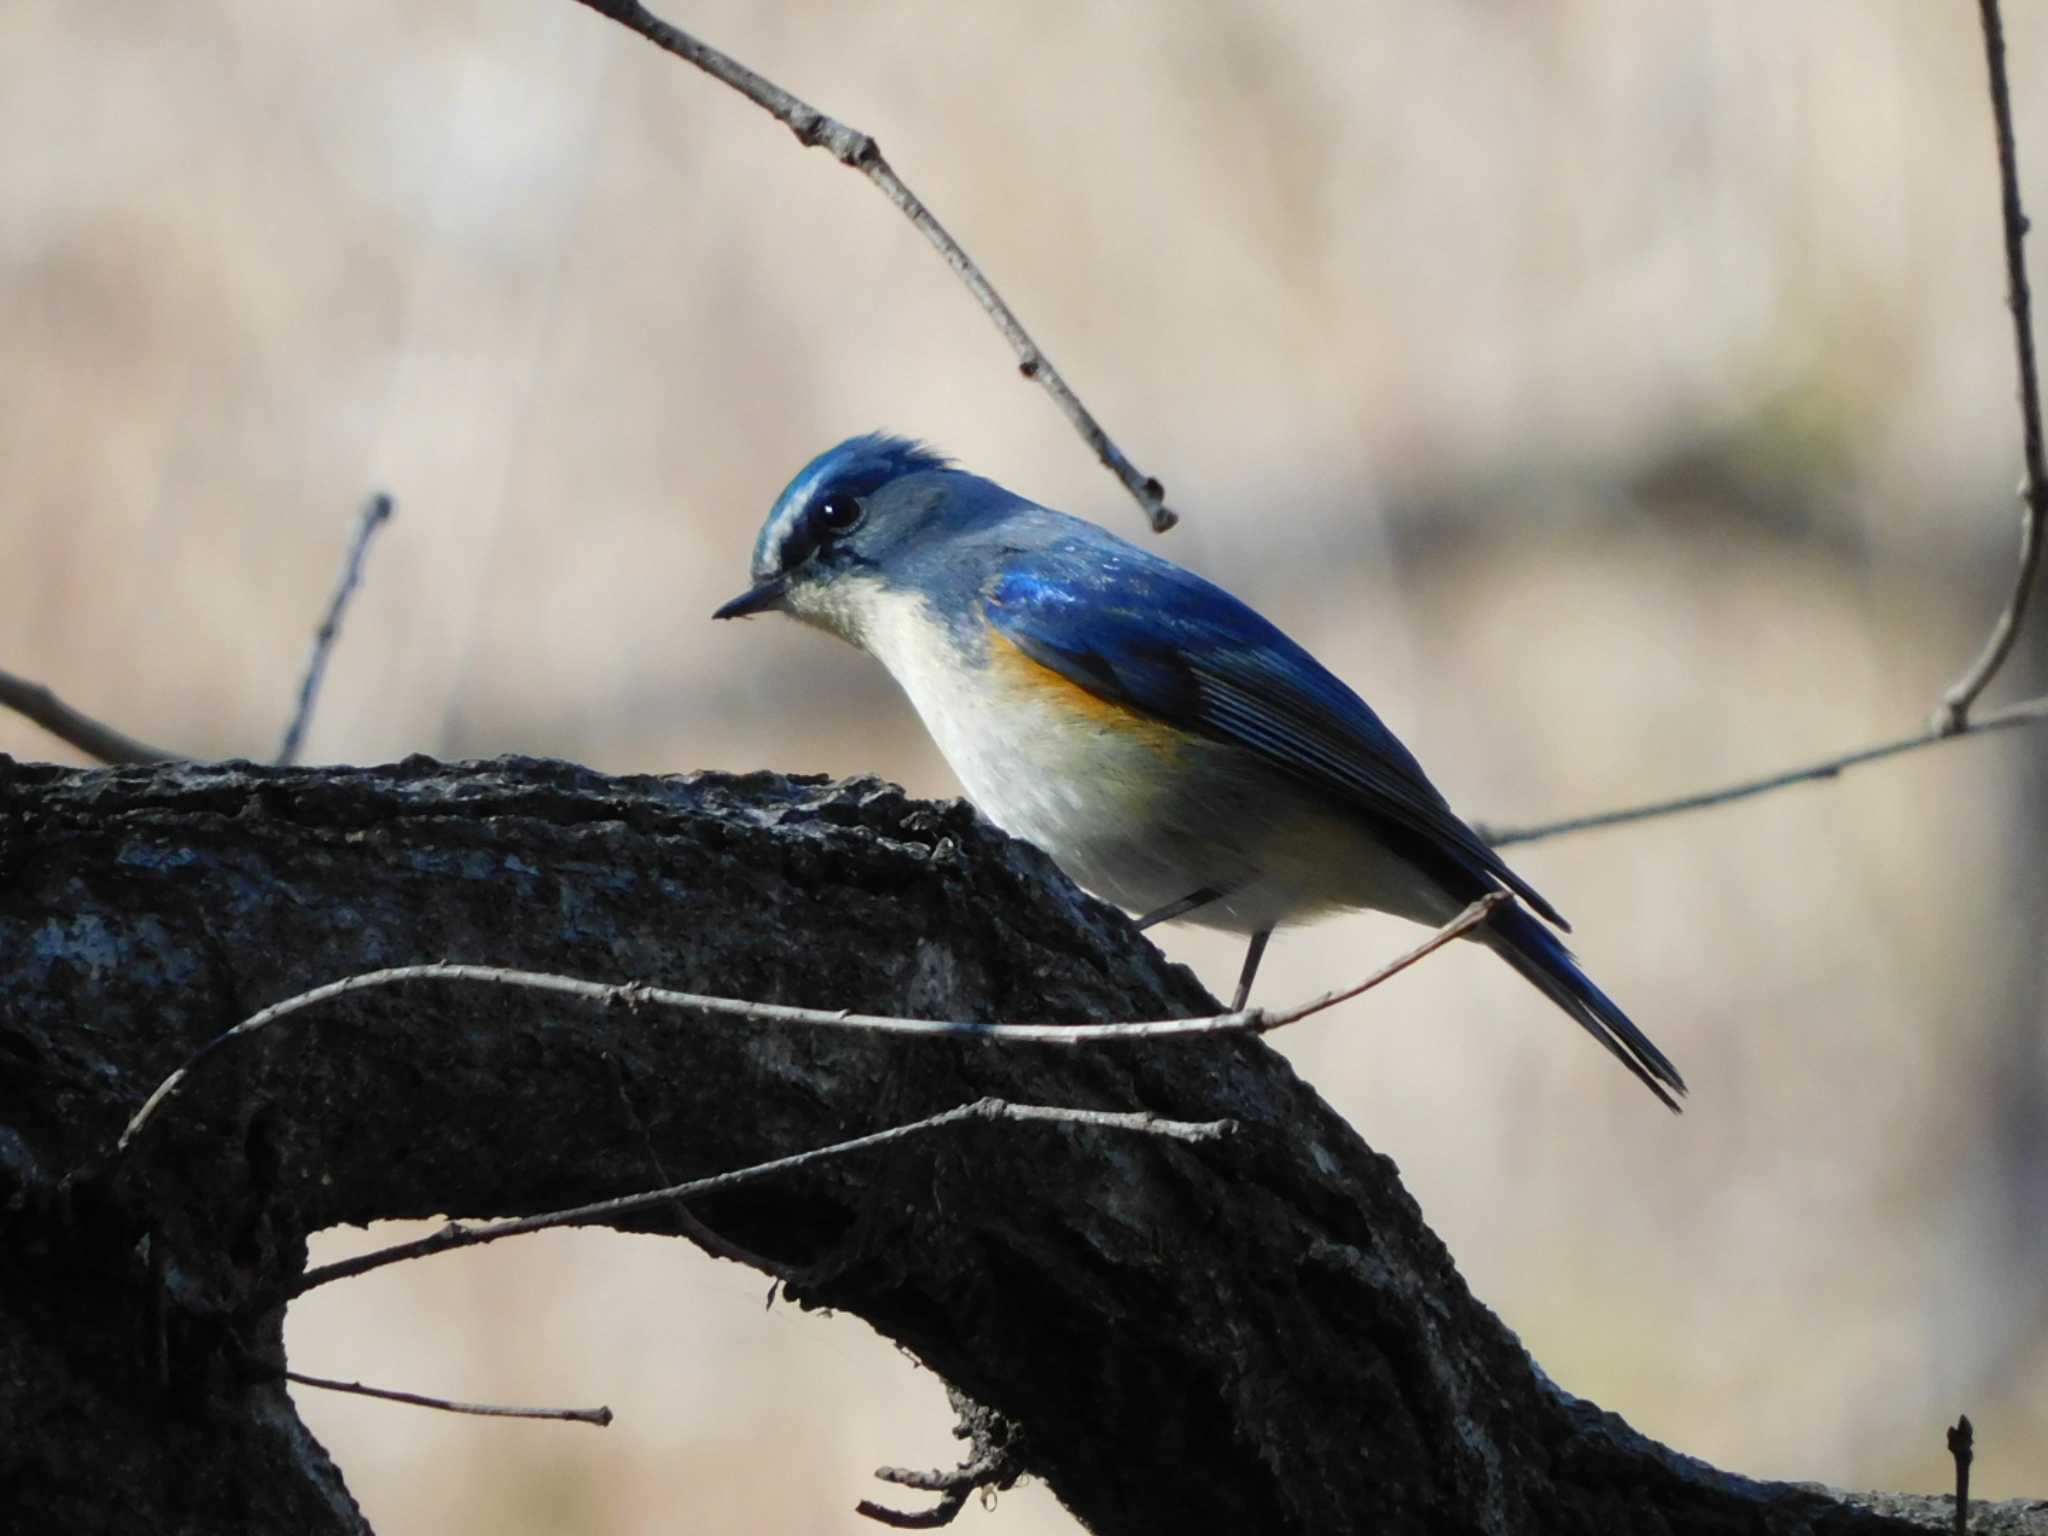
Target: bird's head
849,528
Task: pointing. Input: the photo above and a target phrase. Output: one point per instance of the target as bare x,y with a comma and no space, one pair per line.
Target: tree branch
1254,1333
608,1212
1955,705
1952,718
992,1466
600,1416
375,514
74,729
858,151
2031,712
1252,1021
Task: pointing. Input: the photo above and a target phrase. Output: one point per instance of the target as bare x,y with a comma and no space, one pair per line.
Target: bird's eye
839,513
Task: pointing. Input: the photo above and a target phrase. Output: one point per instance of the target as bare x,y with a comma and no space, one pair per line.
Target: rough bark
1258,1334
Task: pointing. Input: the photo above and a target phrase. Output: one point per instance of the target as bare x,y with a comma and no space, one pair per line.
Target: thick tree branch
1248,1021
1253,1333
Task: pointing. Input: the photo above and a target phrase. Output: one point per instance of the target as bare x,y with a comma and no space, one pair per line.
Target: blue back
1129,626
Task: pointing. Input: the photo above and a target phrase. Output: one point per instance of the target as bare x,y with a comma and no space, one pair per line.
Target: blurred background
1619,395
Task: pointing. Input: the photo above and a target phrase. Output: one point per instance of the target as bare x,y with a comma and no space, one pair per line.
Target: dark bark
1258,1334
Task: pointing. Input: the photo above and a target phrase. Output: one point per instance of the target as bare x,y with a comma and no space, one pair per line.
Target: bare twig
455,1235
74,729
376,512
991,1465
714,1243
1961,1445
985,1470
2029,712
953,1500
633,994
1262,1020
108,745
600,1416
858,151
1955,705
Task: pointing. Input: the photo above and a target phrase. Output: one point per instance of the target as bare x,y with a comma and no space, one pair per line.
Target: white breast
1035,769
1142,817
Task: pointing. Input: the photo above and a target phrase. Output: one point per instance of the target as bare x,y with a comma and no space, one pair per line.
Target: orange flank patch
1067,703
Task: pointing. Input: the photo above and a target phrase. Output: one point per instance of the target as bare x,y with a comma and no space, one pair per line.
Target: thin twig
992,1469
714,1243
951,1502
1263,1020
376,512
2029,712
107,745
634,995
1962,1446
1955,705
991,1466
455,1235
600,1416
95,740
859,151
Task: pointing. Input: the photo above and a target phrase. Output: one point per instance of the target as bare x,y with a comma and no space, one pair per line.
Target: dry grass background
1619,394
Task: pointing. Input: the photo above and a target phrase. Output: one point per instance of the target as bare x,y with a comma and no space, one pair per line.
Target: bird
1169,747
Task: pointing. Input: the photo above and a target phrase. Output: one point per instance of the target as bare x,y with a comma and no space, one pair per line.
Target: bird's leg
1183,907
1252,956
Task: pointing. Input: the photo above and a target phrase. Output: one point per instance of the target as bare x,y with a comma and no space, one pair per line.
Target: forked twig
456,1235
1955,705
953,1488
2029,712
992,1465
715,1243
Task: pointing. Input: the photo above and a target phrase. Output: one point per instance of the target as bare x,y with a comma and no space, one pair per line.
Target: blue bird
1172,750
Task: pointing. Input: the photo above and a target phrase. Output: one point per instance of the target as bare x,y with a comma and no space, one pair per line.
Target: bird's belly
1139,811
1098,796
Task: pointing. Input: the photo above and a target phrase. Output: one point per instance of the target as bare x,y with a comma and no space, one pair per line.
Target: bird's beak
764,596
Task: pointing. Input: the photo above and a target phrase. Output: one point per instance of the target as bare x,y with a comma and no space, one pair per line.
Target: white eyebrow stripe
798,496
789,512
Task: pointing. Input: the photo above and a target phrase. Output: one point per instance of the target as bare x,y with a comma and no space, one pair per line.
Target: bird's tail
1528,946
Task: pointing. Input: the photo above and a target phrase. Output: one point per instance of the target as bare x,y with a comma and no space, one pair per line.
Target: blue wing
1139,630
